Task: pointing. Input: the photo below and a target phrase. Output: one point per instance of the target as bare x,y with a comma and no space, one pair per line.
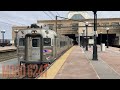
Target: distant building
78,15
73,29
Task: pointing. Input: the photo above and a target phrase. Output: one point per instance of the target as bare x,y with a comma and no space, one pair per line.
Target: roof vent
34,26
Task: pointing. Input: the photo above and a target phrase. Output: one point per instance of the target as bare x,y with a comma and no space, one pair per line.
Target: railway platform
7,48
78,64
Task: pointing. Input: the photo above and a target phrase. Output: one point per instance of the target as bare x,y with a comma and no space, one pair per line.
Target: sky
20,18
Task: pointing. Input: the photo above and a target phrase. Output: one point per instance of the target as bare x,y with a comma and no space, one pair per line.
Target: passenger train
40,45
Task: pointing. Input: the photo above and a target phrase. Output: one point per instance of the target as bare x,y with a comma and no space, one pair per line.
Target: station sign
91,41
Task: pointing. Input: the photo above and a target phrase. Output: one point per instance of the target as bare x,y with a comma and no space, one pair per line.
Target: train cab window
52,42
35,42
22,42
47,41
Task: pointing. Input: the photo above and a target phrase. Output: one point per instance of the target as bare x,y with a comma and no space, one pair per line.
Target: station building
75,27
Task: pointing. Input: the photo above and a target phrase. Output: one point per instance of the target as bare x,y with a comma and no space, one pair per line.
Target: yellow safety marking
53,70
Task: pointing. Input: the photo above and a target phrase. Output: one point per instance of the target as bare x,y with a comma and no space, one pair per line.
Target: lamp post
95,57
86,24
16,31
101,40
107,29
83,37
3,31
79,40
56,24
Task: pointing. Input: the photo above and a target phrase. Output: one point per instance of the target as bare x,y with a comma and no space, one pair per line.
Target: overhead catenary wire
18,19
57,13
12,20
47,15
52,14
6,23
24,19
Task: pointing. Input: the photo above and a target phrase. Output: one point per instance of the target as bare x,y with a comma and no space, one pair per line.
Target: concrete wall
65,24
89,29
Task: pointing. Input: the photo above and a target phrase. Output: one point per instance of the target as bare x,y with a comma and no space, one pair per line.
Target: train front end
35,46
30,46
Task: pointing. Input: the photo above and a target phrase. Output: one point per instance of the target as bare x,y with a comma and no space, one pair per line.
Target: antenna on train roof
34,26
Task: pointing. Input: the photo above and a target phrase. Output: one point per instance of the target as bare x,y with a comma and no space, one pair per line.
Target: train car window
35,42
47,41
22,42
60,44
57,42
52,42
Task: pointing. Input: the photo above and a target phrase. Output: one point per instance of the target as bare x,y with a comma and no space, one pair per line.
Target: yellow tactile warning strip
53,70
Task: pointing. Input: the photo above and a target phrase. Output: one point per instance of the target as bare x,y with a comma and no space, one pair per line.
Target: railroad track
6,55
14,74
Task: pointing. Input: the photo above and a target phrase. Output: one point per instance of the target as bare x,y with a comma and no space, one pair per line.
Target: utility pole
3,43
16,41
101,40
95,56
107,36
56,38
86,24
56,24
79,40
83,38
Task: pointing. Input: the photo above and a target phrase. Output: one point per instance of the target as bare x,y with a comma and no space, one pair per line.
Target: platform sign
91,41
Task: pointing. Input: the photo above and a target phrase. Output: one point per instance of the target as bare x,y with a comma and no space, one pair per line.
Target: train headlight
22,64
34,31
48,57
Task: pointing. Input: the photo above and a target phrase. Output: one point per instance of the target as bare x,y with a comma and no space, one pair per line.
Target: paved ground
106,65
79,64
55,67
77,67
7,48
103,70
112,57
11,62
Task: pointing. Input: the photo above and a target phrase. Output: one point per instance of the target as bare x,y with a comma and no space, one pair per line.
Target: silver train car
40,46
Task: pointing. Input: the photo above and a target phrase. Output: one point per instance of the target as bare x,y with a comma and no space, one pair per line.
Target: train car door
34,47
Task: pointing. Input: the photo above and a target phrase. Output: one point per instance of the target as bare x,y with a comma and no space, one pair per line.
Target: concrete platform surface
7,48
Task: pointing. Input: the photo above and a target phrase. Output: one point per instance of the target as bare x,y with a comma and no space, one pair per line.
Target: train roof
44,32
